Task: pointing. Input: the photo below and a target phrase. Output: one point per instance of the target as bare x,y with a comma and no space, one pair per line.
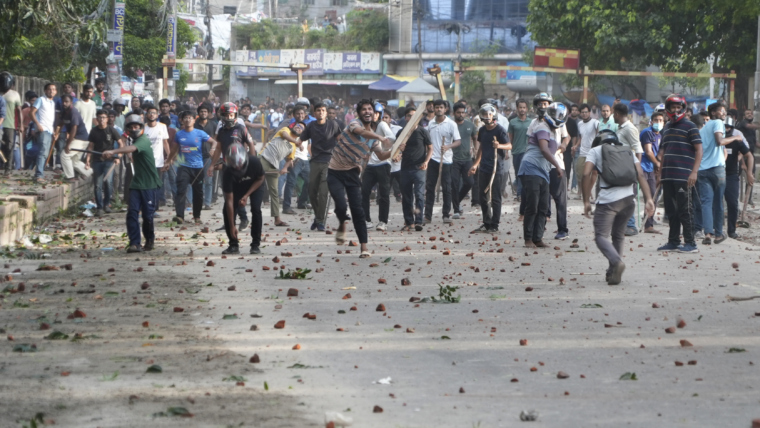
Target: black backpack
619,168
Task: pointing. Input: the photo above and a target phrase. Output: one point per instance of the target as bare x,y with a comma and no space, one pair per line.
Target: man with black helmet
680,156
242,178
144,187
205,123
614,205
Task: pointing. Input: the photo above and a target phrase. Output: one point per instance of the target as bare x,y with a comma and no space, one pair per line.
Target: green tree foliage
677,36
367,31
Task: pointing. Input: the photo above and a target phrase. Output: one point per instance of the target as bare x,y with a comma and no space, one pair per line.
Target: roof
419,86
391,83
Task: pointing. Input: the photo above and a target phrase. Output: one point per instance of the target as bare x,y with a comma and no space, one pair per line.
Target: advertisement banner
313,57
370,62
171,37
119,13
271,56
447,68
252,57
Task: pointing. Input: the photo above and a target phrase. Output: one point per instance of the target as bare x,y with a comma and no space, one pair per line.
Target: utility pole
419,35
757,71
209,51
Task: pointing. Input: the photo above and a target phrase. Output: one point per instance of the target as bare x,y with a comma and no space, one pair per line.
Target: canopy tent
391,83
418,86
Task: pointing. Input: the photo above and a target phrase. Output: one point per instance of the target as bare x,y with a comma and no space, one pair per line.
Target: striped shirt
678,145
351,150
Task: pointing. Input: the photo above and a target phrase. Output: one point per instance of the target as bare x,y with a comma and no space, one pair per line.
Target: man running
415,155
445,136
242,178
352,149
378,172
461,180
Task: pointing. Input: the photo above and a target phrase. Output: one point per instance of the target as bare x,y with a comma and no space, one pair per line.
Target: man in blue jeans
102,138
711,179
732,173
415,155
628,134
43,116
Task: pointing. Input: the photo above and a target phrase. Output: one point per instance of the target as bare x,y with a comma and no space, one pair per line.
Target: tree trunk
742,95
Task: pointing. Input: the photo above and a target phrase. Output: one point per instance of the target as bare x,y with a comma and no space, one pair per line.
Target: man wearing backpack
618,170
628,135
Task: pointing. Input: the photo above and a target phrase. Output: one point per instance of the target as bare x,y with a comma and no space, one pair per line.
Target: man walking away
518,136
615,203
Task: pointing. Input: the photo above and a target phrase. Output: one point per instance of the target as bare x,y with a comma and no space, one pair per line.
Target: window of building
339,2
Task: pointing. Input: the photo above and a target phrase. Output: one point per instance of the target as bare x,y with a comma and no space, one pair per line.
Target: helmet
542,96
556,114
134,119
675,99
6,81
119,102
608,136
728,122
236,158
660,108
379,108
486,110
303,101
224,112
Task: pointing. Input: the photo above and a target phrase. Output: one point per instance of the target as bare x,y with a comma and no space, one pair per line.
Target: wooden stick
407,131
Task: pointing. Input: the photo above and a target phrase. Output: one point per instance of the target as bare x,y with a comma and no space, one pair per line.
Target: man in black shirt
732,173
332,114
492,150
322,134
748,128
415,155
242,178
572,129
102,138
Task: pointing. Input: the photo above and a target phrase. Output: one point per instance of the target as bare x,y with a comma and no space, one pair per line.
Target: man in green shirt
100,96
461,180
145,186
518,135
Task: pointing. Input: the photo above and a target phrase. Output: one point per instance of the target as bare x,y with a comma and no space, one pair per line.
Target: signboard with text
119,12
171,37
320,62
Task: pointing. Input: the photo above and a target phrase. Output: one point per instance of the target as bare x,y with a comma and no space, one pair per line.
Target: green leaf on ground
25,347
629,376
445,338
735,350
57,335
234,378
302,366
230,317
591,305
174,411
341,311
498,296
155,368
388,260
108,378
266,386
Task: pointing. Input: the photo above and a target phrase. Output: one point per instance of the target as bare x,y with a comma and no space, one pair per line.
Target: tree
677,36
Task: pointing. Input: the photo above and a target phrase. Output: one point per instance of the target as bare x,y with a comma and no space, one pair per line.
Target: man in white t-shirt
12,114
444,134
87,107
159,139
614,207
587,130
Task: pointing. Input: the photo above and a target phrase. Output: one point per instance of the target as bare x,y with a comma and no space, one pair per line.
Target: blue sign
176,75
119,13
171,37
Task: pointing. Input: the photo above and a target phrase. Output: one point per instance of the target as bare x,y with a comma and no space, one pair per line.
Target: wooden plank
407,131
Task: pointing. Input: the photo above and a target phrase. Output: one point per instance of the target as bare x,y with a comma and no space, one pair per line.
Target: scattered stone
280,324
380,308
178,309
562,375
686,343
523,342
293,292
461,390
681,323
406,281
255,359
670,330
409,330
377,409
210,263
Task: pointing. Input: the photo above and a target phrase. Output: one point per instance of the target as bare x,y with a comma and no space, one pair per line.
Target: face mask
135,133
657,127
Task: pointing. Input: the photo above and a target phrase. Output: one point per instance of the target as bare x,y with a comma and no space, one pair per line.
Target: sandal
340,237
407,228
365,255
281,224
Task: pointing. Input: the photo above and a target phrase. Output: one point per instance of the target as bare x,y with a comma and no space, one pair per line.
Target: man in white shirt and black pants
444,134
616,201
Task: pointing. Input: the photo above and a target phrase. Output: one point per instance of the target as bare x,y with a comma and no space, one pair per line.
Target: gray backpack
619,168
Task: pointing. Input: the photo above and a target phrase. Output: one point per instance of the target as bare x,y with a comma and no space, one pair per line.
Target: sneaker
288,210
616,274
561,236
197,220
308,206
706,241
426,221
99,213
156,214
232,249
418,227
398,199
243,224
719,239
134,249
320,227
688,248
206,207
255,250
149,245
313,225
381,227
733,236
668,247
448,220
178,220
482,229
107,210
493,229
370,225
699,235
456,216
631,231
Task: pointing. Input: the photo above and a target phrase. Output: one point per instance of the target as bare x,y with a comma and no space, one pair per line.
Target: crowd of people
323,151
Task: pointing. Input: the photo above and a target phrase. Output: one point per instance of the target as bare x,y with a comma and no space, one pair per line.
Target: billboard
320,62
119,12
171,37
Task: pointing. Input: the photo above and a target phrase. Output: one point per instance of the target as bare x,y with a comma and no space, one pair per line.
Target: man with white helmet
144,187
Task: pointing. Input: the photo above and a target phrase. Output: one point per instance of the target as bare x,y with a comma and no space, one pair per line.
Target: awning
324,82
391,83
419,86
198,87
